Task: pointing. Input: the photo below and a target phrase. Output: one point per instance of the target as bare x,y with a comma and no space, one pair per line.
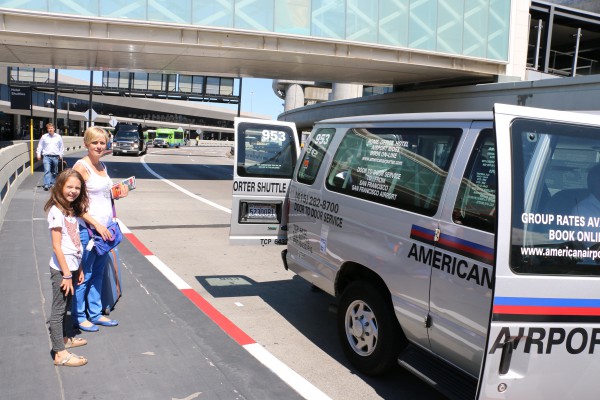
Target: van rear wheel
369,331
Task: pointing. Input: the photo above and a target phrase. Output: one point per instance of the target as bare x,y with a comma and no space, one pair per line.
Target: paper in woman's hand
115,190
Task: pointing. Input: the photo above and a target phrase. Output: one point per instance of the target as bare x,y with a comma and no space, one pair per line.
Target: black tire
369,331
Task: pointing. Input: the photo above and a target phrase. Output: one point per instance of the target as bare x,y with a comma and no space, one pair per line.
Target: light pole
67,125
51,103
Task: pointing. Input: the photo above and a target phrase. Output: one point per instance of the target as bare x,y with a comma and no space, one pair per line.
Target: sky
257,94
258,97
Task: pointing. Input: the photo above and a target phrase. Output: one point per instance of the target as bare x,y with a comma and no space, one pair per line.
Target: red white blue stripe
546,309
454,244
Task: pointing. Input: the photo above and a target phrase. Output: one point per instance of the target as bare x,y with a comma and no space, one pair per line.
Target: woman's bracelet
67,276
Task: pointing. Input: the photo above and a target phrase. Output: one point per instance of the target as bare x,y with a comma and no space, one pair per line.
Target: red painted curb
229,327
138,245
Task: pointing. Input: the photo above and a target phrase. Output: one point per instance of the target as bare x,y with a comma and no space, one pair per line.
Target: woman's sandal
72,360
75,342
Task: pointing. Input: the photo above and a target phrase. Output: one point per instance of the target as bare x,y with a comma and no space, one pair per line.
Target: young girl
68,200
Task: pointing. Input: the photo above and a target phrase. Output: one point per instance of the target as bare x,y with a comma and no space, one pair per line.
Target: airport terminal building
152,100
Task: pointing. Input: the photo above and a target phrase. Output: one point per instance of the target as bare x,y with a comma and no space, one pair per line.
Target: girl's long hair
79,206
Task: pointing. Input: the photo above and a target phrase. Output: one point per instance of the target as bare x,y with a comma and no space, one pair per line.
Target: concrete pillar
18,129
341,91
294,96
519,39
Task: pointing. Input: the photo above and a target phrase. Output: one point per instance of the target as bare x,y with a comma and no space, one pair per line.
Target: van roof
432,116
127,127
169,130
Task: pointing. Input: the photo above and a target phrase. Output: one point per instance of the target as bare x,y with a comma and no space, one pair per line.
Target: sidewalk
164,347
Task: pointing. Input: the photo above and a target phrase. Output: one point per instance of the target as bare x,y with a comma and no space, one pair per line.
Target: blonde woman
87,307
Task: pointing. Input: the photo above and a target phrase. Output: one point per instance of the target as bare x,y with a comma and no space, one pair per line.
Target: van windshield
162,135
127,135
556,198
265,152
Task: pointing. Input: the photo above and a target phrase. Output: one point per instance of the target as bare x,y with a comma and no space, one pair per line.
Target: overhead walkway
347,42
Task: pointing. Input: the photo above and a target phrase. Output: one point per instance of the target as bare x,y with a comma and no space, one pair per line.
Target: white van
464,246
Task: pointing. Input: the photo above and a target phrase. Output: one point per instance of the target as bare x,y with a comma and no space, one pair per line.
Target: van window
476,202
313,157
265,151
556,192
401,167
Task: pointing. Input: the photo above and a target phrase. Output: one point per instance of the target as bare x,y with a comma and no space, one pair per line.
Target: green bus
149,136
167,137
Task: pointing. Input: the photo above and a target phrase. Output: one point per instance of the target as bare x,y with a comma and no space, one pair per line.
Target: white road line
285,373
184,191
288,375
168,273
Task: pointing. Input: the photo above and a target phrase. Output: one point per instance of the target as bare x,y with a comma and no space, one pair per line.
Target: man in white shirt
52,149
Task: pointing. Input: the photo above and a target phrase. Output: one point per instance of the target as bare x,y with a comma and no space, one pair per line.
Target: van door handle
428,321
505,359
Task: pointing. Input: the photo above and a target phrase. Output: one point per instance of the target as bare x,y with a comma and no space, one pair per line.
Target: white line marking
124,228
288,375
168,273
184,191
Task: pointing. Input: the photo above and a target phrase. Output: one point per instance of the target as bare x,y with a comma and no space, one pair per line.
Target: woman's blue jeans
87,300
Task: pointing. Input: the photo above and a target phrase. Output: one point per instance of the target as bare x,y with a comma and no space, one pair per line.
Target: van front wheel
370,334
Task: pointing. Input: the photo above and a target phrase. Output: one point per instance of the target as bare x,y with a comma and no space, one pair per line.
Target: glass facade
470,28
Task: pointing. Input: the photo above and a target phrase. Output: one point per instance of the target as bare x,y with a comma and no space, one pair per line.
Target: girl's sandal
75,342
72,360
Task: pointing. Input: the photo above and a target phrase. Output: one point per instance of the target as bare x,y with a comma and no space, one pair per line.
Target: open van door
544,334
265,158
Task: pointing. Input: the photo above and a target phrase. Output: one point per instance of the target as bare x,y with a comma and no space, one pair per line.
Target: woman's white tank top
98,189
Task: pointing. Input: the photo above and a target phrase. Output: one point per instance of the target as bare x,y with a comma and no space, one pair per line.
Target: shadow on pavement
294,300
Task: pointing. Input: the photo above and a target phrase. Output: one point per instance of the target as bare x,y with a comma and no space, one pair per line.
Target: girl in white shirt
68,200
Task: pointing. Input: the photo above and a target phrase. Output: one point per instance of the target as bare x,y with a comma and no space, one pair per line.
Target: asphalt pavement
163,348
